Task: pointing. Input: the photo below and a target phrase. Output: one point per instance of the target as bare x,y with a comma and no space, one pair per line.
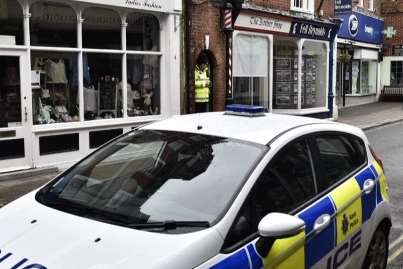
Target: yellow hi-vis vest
202,84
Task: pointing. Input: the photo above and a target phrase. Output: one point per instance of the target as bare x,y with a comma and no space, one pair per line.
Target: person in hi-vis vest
202,87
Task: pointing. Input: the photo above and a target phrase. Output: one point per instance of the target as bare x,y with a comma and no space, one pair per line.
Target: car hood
36,236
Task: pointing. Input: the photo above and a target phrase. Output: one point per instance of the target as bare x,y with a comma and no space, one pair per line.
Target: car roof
260,129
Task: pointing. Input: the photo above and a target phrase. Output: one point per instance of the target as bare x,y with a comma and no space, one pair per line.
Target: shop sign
312,30
154,5
342,6
253,22
360,27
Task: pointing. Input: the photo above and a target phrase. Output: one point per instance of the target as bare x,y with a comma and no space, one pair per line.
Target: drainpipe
187,68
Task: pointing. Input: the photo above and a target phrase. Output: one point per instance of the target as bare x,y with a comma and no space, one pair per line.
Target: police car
235,189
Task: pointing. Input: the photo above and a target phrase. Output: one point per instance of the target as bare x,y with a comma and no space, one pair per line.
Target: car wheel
377,254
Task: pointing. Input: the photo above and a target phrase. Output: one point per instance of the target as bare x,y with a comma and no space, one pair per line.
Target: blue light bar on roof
244,110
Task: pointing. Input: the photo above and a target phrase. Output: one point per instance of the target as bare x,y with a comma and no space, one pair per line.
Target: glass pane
11,23
143,85
143,32
54,78
150,176
285,73
10,92
355,80
314,75
53,24
101,29
369,77
102,86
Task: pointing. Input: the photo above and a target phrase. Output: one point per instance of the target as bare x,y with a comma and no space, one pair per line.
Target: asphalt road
388,144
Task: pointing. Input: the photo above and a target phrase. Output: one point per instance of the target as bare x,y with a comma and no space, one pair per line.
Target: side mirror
279,225
276,226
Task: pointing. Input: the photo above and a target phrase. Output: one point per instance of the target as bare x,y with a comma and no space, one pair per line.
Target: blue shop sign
360,27
342,6
313,30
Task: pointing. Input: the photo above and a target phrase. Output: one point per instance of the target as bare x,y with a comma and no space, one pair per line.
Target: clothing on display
52,98
56,71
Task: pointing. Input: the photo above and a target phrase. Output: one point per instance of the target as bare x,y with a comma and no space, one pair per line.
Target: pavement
372,115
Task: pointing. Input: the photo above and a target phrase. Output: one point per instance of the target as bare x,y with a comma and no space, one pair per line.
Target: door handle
321,223
369,185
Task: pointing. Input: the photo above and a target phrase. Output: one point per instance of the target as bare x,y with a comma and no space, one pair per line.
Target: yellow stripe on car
347,200
382,182
287,253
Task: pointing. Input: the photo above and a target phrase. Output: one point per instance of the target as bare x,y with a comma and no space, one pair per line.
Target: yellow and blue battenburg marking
349,208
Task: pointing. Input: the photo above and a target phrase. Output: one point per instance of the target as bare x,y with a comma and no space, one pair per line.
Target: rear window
339,155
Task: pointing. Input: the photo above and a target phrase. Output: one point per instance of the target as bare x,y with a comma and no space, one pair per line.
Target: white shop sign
152,5
254,22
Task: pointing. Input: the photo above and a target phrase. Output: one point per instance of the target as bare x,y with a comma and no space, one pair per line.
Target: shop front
283,63
359,43
74,74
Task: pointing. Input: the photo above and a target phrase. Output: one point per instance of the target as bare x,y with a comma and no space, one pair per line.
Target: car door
349,183
286,184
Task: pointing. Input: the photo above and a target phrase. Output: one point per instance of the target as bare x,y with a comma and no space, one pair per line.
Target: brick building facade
392,63
276,89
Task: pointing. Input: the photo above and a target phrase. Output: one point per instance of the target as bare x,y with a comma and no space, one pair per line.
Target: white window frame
360,3
304,6
371,5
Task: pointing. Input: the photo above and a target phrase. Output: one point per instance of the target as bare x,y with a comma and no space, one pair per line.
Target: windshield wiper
169,224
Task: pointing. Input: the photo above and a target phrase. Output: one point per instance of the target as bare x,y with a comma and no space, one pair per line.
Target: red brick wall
392,12
274,4
206,21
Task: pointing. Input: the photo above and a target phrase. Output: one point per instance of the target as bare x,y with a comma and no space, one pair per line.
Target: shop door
15,133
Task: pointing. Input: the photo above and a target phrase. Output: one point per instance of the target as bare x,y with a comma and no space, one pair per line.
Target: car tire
377,254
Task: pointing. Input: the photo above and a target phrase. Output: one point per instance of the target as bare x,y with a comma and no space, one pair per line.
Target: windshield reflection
157,176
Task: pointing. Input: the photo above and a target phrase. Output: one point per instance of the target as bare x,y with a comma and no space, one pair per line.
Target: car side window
286,183
338,156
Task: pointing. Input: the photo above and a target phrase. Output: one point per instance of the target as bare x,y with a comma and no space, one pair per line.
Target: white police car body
191,192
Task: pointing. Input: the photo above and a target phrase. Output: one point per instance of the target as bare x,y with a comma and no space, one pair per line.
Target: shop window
101,29
355,77
11,23
54,80
10,92
102,86
98,138
251,62
396,73
58,144
314,74
143,32
53,24
143,85
368,77
285,73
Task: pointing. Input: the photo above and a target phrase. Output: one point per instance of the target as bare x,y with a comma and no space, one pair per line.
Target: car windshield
151,176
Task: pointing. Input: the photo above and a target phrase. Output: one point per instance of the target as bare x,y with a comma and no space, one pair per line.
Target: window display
102,29
10,92
142,32
102,86
54,79
53,24
143,85
314,76
368,77
285,74
251,70
11,23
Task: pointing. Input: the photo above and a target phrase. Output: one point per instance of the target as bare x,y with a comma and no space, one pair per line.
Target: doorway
15,133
